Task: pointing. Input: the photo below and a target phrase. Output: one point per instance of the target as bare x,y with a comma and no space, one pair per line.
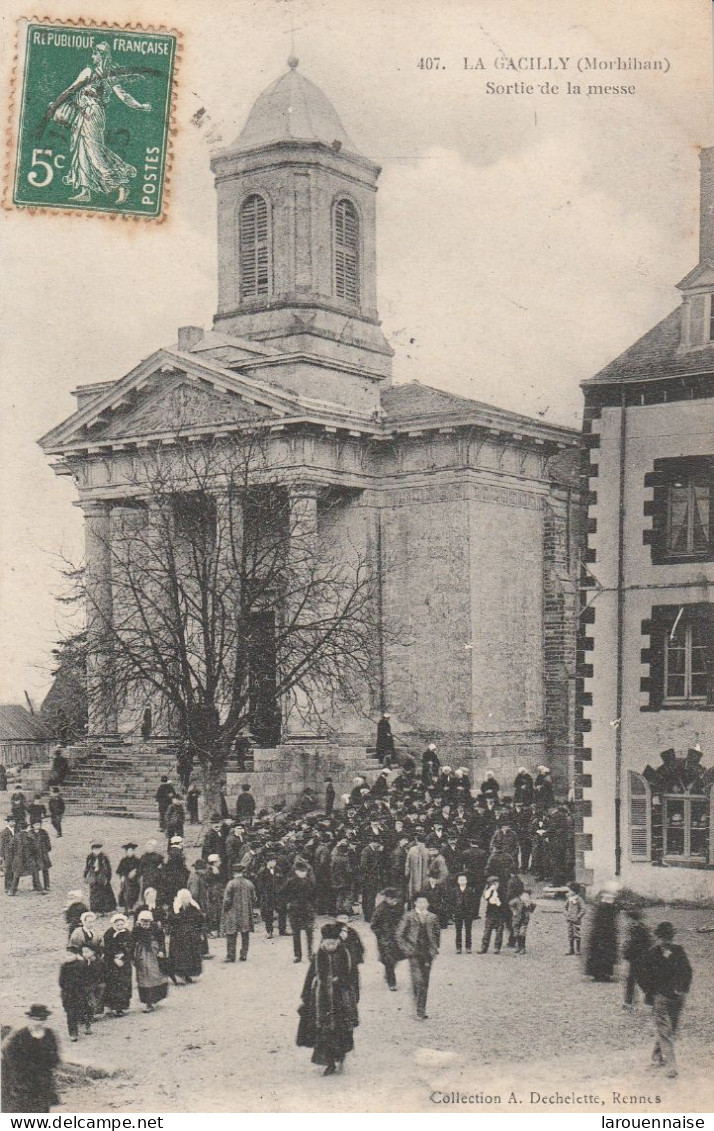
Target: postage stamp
93,126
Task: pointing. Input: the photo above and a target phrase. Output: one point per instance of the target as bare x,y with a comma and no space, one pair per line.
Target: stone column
101,691
302,510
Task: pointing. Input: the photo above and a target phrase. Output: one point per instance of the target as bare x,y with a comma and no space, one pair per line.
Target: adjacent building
646,650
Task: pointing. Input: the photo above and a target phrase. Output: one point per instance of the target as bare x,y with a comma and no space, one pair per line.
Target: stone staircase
120,779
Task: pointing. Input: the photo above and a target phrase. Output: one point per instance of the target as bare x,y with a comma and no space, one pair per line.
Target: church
477,508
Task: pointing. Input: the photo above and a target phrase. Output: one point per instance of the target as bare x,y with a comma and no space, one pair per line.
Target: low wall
280,775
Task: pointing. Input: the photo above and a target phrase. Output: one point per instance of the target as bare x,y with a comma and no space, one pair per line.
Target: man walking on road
667,978
418,937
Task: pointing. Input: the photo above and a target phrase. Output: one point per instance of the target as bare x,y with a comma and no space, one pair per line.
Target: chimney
190,336
706,206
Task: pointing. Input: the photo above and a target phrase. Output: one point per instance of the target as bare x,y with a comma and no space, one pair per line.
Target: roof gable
180,403
701,277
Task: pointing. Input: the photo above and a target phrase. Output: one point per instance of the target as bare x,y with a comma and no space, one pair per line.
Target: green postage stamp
93,118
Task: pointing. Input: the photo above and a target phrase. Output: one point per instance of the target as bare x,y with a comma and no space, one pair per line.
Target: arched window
254,247
345,238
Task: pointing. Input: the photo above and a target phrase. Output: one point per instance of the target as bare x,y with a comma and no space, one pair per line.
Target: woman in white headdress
117,965
148,952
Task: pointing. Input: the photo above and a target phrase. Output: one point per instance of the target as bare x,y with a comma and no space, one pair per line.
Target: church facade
477,509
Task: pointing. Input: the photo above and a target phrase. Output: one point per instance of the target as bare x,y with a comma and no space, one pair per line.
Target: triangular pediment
170,392
181,404
701,278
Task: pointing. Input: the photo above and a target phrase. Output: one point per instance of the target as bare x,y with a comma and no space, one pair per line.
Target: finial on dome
293,62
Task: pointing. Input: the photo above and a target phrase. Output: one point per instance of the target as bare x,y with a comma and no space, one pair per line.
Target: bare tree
230,605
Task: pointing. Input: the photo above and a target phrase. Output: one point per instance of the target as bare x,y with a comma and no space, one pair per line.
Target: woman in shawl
89,940
186,926
117,966
94,168
328,1013
602,942
98,874
147,951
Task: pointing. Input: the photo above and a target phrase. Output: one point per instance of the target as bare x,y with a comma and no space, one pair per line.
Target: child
494,916
635,951
56,804
522,907
574,915
74,980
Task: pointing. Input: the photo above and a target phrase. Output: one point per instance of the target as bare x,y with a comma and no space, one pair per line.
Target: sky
524,240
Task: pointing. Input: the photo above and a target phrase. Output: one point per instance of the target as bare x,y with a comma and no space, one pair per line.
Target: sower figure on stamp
94,168
418,936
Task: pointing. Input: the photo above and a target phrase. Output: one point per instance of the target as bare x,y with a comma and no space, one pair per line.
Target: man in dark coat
667,978
522,818
299,895
175,818
245,805
543,792
430,765
636,948
322,867
163,799
418,937
213,842
436,893
26,859
370,867
464,905
29,1058
56,807
489,786
151,864
473,863
267,882
59,768
385,921
523,787
329,797
7,849
385,740
43,850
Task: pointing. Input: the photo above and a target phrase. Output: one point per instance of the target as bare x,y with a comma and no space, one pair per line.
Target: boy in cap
667,976
574,915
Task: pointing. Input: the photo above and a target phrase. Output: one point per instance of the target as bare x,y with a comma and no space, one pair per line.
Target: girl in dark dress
117,966
186,925
328,1013
149,948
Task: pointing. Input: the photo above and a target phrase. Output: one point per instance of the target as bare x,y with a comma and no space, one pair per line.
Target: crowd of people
413,852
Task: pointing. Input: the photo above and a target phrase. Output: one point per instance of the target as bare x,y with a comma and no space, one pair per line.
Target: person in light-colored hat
118,948
148,952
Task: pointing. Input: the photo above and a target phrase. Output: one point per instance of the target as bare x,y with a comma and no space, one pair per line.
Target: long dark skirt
602,943
102,899
149,995
117,992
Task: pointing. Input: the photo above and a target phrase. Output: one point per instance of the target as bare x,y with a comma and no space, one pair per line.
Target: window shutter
254,248
346,251
640,818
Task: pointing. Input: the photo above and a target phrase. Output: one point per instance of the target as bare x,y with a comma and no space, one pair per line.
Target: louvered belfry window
254,248
346,249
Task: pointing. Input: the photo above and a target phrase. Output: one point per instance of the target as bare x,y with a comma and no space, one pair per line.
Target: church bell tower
296,233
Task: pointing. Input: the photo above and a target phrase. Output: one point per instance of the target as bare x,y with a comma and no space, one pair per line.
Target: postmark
93,118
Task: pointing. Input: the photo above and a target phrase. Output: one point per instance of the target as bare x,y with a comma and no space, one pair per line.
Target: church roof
656,354
424,406
293,109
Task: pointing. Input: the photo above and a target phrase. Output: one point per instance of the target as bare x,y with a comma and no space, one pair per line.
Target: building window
254,248
681,657
685,828
683,520
346,251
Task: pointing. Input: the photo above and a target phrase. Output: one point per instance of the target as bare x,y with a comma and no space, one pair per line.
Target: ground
508,1026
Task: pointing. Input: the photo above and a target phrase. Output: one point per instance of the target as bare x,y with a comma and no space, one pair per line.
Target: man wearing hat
164,794
667,976
385,740
128,869
7,848
239,900
418,938
29,1058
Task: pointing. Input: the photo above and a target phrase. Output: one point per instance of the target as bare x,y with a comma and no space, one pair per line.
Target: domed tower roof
293,109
